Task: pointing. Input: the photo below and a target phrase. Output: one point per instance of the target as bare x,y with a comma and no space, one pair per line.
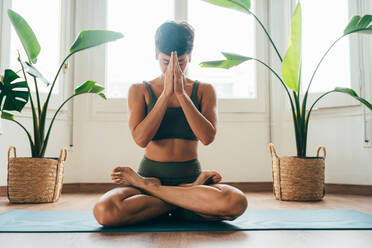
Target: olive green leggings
173,174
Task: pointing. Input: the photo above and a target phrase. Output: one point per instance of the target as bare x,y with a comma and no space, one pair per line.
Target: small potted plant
299,177
40,179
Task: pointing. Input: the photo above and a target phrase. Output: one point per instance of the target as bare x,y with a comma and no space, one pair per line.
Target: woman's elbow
142,144
140,141
207,140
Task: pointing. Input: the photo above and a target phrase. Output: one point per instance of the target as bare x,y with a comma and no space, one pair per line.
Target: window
317,22
132,59
45,25
234,33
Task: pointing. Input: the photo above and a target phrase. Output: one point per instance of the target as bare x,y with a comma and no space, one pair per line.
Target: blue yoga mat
252,220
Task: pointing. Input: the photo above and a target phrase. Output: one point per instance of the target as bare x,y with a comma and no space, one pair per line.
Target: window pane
319,31
234,33
44,19
132,59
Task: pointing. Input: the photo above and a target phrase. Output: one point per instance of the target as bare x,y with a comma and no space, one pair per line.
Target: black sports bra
174,124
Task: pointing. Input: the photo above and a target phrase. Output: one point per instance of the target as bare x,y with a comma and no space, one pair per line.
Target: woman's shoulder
205,87
137,89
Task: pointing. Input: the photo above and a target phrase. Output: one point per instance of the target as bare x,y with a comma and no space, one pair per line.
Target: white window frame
337,100
117,109
66,39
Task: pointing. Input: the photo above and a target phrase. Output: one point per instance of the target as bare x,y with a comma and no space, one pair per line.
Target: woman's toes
117,169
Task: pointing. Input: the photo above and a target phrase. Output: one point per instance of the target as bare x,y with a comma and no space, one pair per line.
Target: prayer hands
168,81
178,76
174,77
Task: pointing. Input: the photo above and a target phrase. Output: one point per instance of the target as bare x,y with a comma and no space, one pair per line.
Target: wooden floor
240,239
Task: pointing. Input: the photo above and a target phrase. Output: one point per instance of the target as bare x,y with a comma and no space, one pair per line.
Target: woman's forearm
146,129
201,126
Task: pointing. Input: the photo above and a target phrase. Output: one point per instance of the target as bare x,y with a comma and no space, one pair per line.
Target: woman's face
164,59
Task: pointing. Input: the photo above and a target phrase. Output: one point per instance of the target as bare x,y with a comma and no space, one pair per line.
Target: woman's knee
107,211
234,202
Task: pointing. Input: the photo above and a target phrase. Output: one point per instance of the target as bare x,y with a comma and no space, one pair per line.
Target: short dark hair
174,36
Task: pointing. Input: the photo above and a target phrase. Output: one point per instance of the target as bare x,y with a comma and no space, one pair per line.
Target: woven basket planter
35,180
298,179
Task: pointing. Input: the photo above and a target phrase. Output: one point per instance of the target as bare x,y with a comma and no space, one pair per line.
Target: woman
168,115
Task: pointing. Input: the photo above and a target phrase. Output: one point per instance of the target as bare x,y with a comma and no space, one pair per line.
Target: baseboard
243,186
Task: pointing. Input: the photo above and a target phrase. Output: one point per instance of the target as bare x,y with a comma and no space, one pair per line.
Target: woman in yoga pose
168,115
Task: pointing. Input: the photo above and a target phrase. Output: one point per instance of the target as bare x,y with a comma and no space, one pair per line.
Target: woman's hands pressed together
174,77
178,76
168,80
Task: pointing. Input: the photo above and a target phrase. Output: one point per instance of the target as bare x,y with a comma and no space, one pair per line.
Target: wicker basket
298,179
35,180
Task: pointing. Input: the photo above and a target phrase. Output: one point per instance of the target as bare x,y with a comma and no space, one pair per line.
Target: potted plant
39,179
300,177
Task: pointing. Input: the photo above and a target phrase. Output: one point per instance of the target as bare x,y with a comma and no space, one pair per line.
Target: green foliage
15,95
91,38
7,116
352,93
230,61
26,35
32,71
90,87
15,100
359,24
292,59
291,69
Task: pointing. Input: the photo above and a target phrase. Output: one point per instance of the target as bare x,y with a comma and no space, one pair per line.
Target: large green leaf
91,38
16,94
292,61
352,93
231,60
240,5
26,35
90,87
30,69
359,24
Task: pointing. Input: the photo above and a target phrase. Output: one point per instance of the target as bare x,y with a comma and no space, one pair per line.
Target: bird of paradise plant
15,95
291,65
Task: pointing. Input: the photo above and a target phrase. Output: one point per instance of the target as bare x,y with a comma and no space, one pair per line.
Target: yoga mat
252,220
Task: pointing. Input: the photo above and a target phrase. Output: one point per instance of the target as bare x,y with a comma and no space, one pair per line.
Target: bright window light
323,23
132,59
44,19
223,30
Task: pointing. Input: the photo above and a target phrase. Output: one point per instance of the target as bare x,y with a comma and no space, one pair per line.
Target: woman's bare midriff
172,150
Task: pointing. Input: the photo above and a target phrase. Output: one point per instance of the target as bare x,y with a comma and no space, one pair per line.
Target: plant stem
29,137
44,110
312,77
312,106
289,96
37,144
55,78
280,79
45,142
304,102
37,98
271,41
316,69
297,121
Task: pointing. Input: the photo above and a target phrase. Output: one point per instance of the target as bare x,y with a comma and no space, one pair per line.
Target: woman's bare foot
205,178
127,176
